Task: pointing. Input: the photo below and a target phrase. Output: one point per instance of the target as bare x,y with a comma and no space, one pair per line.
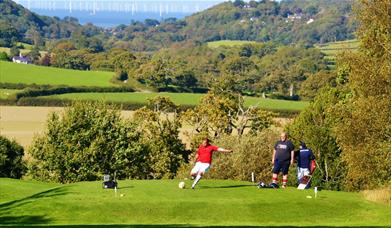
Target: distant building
296,16
310,21
21,59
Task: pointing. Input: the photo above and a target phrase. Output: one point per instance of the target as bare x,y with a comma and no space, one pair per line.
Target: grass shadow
18,220
7,207
229,186
125,187
58,191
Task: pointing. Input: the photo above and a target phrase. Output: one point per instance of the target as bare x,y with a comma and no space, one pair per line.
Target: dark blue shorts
281,167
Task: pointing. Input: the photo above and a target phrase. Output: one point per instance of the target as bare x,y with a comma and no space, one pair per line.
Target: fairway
180,99
161,202
31,74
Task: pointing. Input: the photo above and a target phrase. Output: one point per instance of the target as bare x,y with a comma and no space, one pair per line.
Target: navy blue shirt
283,150
304,158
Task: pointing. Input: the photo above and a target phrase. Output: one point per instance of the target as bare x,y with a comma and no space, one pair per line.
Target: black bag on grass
108,182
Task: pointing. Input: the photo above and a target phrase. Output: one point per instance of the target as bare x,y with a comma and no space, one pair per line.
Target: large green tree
86,141
364,130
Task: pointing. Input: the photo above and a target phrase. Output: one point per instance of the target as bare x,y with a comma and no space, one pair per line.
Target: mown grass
31,74
229,43
179,99
161,202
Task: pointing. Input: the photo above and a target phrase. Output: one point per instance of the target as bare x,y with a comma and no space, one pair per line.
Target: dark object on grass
108,182
263,185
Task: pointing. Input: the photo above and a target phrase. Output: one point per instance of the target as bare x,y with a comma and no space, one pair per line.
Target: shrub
3,56
90,139
315,126
11,158
86,141
160,132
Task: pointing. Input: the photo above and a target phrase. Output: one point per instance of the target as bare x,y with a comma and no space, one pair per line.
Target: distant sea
109,19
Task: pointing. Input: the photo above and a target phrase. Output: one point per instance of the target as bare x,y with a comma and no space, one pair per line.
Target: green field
179,99
161,202
334,48
7,50
5,93
26,50
229,43
29,74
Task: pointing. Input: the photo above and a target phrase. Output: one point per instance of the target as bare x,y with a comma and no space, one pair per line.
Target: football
181,184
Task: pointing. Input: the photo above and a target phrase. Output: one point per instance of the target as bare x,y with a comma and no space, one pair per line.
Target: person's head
205,141
283,136
303,145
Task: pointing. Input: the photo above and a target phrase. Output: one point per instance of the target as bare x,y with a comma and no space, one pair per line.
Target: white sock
196,180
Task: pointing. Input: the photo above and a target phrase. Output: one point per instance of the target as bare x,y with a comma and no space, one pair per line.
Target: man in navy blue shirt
304,158
283,157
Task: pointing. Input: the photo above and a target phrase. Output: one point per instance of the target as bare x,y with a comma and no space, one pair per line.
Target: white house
21,59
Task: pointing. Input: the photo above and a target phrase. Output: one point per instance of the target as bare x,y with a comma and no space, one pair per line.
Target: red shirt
205,153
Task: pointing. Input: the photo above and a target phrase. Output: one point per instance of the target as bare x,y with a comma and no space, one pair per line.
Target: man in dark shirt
304,159
283,157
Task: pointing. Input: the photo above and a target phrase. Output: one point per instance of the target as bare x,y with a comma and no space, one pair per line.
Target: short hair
207,139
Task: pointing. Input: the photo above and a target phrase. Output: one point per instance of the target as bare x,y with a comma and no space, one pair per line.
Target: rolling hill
287,22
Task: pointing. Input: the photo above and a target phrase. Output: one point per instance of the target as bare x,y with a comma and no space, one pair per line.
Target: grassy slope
162,202
180,99
29,74
229,43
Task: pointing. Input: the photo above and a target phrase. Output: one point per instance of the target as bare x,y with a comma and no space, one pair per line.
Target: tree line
251,69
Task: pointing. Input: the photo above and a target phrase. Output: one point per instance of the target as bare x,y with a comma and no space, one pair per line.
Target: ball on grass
181,185
122,195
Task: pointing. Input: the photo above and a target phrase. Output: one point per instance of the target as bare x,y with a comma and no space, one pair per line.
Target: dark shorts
281,167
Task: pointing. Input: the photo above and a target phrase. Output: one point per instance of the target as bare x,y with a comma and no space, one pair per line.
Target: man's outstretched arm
224,150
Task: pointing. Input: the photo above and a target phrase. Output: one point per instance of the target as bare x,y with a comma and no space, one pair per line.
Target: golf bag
108,182
305,181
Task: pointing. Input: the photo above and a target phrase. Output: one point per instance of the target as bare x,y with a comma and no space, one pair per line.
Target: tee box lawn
162,203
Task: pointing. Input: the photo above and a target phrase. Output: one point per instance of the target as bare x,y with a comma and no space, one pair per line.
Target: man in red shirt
204,159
